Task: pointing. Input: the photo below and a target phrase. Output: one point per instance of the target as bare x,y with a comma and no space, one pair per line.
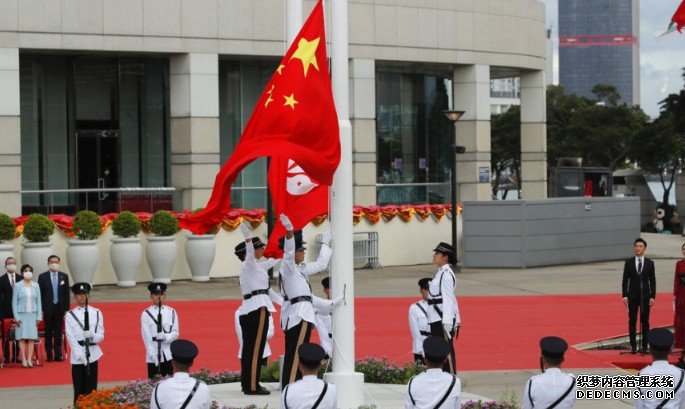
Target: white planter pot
161,256
126,256
200,251
83,257
6,250
36,255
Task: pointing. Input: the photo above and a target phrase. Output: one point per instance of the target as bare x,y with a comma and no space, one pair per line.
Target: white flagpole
349,385
293,20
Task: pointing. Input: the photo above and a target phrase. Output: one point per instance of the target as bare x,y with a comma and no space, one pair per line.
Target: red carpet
498,332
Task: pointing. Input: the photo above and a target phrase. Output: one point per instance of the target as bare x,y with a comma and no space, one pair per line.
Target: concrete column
533,135
363,120
10,133
194,127
472,95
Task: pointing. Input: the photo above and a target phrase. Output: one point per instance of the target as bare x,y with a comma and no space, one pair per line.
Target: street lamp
453,117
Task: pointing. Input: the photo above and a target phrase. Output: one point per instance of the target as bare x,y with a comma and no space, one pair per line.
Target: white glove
88,334
159,336
285,221
448,328
326,238
337,302
245,230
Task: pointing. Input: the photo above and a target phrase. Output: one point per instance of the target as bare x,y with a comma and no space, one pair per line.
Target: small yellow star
271,90
306,51
280,68
268,101
290,101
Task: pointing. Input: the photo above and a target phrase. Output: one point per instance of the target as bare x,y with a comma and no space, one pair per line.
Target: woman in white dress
27,312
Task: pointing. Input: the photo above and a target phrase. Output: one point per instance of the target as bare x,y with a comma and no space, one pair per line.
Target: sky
661,62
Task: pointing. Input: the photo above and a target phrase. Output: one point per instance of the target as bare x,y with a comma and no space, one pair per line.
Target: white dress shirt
663,368
418,325
443,285
75,334
254,276
295,283
239,334
426,390
305,392
547,387
171,393
148,330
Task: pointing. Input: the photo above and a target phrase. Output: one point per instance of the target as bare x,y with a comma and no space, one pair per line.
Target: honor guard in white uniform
269,335
435,388
158,335
298,310
256,310
442,300
660,344
310,392
181,391
324,308
418,321
552,388
85,330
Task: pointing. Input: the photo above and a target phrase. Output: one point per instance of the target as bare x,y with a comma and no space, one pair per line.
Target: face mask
11,268
54,267
28,275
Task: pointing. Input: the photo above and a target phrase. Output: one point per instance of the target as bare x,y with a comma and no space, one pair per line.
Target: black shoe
60,359
633,350
261,391
48,359
643,351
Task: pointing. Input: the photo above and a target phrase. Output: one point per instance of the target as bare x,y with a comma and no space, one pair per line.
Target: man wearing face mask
552,388
7,282
54,291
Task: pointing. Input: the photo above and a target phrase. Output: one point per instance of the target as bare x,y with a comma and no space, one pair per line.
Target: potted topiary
126,253
200,252
7,229
161,248
83,255
37,248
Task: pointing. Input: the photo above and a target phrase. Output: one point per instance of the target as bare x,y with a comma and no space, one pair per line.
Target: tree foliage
506,146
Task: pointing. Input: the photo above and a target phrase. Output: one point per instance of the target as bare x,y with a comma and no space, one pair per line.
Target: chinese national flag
295,118
293,193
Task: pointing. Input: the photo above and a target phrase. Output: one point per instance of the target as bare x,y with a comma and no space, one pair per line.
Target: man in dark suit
7,282
639,292
54,293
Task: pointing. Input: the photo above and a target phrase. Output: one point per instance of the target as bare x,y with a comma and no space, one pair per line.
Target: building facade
598,44
101,95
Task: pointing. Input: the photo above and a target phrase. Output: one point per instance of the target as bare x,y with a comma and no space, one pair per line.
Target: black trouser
633,306
54,320
84,383
166,369
254,325
437,330
294,337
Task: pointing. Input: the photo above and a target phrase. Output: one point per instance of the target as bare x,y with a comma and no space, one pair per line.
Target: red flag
295,118
679,17
293,193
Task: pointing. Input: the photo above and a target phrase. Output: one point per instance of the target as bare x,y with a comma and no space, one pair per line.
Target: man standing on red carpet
158,335
442,314
639,292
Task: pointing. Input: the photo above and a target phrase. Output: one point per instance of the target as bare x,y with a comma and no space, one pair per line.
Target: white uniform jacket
544,389
418,325
441,296
663,368
305,392
254,277
172,392
74,321
426,390
148,330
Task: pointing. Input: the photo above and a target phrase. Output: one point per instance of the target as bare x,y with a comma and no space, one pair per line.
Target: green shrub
38,228
126,225
87,225
163,223
7,228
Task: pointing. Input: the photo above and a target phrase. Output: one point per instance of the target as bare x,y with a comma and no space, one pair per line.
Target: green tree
506,146
606,94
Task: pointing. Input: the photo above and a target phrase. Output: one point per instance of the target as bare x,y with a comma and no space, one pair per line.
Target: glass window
240,85
413,137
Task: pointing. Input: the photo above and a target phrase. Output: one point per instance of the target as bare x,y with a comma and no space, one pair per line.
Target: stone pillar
533,135
363,120
10,133
194,93
472,95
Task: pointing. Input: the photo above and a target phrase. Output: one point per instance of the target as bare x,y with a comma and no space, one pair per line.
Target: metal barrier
364,248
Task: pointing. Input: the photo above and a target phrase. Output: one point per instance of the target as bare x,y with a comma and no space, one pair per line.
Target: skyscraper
598,44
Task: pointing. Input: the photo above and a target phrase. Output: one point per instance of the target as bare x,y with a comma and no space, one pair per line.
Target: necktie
54,287
12,279
639,265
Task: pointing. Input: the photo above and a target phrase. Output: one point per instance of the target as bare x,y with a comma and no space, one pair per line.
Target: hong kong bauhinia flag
295,119
677,21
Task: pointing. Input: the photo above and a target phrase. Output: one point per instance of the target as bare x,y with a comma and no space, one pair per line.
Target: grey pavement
590,278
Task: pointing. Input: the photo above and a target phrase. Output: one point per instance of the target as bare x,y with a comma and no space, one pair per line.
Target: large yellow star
290,101
306,51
